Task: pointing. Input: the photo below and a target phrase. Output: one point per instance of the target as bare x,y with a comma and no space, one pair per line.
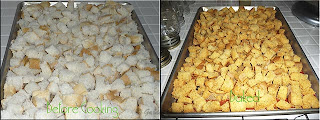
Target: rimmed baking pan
167,99
15,27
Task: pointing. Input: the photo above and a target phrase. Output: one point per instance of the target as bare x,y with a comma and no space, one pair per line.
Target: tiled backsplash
147,11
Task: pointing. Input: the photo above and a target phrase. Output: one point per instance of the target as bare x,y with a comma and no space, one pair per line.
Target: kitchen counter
307,36
147,11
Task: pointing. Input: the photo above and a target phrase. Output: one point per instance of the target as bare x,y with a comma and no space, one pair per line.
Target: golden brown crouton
227,84
310,101
237,106
295,97
211,106
177,107
284,105
184,100
198,103
282,93
188,108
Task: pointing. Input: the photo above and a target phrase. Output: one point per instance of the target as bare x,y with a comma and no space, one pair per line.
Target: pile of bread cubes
79,55
245,51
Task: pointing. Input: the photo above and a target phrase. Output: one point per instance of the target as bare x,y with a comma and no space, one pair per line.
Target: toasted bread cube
277,80
289,63
271,107
295,97
198,103
273,89
226,107
211,106
284,105
214,55
250,104
237,106
308,91
200,81
188,108
296,76
194,94
177,107
227,84
310,101
305,84
184,100
218,82
209,67
282,93
272,66
296,58
265,101
204,53
184,76
285,79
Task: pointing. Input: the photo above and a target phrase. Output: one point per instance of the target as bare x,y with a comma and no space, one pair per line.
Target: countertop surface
307,36
147,11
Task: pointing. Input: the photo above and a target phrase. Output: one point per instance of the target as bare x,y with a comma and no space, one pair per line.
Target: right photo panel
242,59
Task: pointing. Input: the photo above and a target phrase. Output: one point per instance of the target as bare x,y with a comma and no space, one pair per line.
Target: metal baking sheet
167,99
15,27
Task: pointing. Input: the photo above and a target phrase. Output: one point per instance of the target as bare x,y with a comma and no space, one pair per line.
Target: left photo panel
80,60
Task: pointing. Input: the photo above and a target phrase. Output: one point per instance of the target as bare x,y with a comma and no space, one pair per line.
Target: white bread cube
53,88
88,81
22,70
118,84
122,68
94,9
101,87
35,53
116,61
32,86
65,88
129,114
66,75
142,73
43,114
130,104
62,27
147,112
52,50
104,57
131,60
31,37
90,61
15,81
125,93
147,79
148,88
43,84
46,70
127,49
90,30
